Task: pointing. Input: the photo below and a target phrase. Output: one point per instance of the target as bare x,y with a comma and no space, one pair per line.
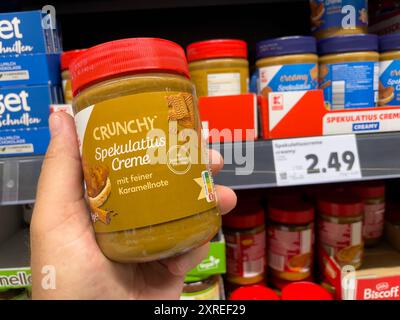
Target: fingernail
55,124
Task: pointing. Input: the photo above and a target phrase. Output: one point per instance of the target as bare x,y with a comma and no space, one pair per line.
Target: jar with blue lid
349,71
389,84
287,64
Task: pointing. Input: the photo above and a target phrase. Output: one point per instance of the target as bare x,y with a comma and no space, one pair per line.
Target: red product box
377,279
229,118
303,114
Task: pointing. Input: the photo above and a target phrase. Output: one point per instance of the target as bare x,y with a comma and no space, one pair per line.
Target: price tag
316,159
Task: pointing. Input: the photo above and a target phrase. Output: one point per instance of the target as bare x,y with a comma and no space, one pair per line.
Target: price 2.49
337,161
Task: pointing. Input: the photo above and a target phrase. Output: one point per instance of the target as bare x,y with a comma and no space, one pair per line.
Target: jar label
212,293
245,254
67,91
290,77
223,84
373,220
339,14
144,160
389,85
342,241
290,251
350,85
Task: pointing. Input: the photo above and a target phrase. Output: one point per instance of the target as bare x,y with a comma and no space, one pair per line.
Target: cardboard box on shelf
30,69
24,113
28,32
229,118
377,279
303,114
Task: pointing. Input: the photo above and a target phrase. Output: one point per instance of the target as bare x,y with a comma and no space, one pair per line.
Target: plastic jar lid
305,291
295,212
349,43
286,46
341,204
255,292
246,215
373,189
127,56
68,56
219,48
390,42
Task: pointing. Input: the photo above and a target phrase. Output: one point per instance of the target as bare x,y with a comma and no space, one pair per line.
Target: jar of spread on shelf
335,18
244,230
392,224
149,187
290,240
219,67
373,194
349,71
279,283
340,227
287,64
66,58
389,80
207,288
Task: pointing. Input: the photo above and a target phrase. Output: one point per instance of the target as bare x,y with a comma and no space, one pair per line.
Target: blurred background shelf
379,159
15,252
19,177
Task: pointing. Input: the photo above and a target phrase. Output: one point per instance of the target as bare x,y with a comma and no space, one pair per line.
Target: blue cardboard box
28,32
30,69
24,113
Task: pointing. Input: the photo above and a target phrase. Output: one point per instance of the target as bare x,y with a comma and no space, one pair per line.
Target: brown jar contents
128,113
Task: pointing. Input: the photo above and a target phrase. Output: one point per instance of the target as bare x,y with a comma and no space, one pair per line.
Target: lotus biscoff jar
219,67
244,231
287,64
331,18
389,84
340,228
290,240
66,59
349,71
149,187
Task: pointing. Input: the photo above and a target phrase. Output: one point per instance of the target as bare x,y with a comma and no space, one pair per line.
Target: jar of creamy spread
287,64
203,288
148,182
349,71
219,67
340,228
66,59
389,79
339,17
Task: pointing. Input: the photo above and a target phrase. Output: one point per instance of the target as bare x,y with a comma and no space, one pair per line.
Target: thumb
60,183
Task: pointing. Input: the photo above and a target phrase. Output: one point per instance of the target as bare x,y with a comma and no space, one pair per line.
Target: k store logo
277,102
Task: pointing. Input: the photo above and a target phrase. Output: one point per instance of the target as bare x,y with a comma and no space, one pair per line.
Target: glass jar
202,289
219,67
149,187
290,240
287,64
66,58
373,195
349,71
340,228
389,80
244,230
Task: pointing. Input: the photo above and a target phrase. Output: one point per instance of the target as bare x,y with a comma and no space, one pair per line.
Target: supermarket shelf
379,159
19,178
15,252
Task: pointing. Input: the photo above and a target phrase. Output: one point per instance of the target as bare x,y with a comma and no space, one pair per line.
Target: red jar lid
305,291
255,292
295,212
341,204
246,215
370,189
68,56
135,55
219,48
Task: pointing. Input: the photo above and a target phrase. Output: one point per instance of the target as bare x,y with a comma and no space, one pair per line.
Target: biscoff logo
382,291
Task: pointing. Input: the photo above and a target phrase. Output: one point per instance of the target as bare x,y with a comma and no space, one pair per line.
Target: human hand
62,235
